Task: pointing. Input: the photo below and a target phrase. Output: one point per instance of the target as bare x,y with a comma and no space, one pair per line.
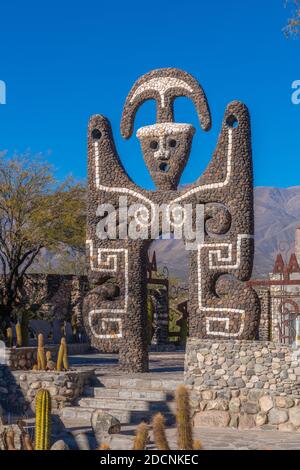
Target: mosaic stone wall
18,389
243,384
115,308
55,296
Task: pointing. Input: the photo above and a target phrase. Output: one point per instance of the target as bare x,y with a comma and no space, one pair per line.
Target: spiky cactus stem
159,432
65,356
61,360
197,445
104,446
41,353
19,335
43,420
184,425
10,440
9,336
141,437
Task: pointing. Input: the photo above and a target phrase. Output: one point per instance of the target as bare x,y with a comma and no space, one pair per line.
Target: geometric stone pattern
115,309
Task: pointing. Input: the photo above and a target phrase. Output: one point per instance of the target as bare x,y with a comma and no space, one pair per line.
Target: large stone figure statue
115,310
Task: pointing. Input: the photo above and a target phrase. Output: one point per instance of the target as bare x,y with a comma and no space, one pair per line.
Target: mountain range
277,215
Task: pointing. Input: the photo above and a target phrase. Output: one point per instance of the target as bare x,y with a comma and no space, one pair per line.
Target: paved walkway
166,362
231,439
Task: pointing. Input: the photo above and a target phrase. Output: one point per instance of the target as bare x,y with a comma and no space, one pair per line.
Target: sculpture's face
166,149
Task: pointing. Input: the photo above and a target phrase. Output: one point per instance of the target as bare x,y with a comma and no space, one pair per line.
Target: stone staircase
130,399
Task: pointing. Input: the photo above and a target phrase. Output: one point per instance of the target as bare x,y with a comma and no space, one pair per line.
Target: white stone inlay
162,85
108,262
235,265
141,196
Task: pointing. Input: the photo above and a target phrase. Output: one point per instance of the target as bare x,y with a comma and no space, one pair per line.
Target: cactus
10,440
50,364
62,359
65,356
41,353
159,432
27,444
25,437
104,446
141,437
43,420
184,425
60,356
19,335
197,445
9,336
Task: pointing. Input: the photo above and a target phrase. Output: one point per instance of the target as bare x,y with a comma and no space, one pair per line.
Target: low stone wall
243,384
18,389
25,358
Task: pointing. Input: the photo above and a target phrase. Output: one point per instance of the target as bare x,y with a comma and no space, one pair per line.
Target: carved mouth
164,167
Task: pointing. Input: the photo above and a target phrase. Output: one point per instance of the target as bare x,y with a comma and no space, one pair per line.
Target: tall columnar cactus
141,437
62,359
65,356
9,337
184,424
41,359
10,440
19,335
159,432
43,420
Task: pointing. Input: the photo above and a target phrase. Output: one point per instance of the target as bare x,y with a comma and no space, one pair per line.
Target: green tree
36,213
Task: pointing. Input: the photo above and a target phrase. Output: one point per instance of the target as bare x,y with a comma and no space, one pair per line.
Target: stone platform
133,397
243,384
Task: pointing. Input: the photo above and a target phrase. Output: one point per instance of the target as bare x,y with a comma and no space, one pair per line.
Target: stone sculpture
115,309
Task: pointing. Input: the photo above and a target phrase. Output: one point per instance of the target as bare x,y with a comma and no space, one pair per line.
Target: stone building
280,299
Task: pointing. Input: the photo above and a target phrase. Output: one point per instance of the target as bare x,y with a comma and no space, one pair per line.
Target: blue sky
63,61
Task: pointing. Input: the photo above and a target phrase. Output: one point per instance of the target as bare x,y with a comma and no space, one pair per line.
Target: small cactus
19,335
104,446
9,336
43,420
159,432
62,359
25,437
184,425
197,445
10,440
65,356
141,437
41,353
50,363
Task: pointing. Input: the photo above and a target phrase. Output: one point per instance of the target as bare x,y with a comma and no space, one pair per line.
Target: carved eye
172,143
96,134
232,121
153,144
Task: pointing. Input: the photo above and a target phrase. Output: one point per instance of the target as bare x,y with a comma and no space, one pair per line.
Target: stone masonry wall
243,384
264,330
18,389
25,358
60,296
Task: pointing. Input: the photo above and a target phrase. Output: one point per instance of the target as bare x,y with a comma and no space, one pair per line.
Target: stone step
128,393
124,416
165,385
125,404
